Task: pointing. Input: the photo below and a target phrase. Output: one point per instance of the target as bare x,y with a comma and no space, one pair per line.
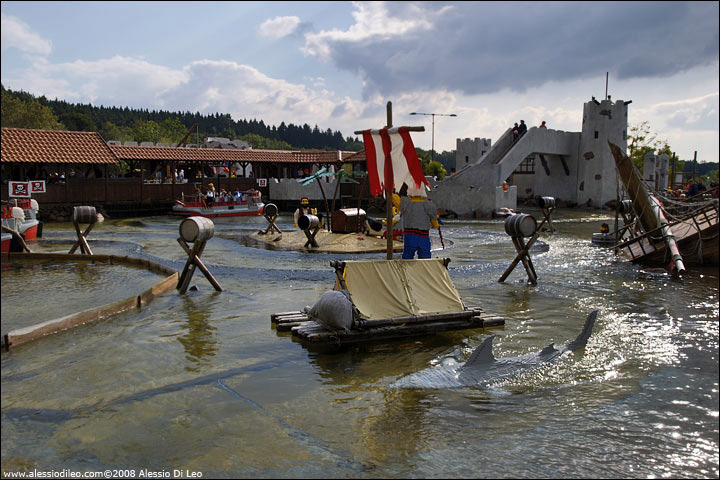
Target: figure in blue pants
418,215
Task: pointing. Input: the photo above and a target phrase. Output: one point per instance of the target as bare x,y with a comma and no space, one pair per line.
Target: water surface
202,382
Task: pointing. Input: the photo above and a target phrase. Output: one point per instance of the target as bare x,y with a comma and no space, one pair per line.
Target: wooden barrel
84,214
197,229
270,210
626,207
547,202
520,225
308,221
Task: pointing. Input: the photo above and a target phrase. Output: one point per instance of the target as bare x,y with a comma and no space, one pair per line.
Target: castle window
597,134
527,167
467,160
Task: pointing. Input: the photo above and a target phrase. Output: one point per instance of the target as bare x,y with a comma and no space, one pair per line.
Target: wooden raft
310,332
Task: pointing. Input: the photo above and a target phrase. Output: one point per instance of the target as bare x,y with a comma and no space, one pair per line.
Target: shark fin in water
482,354
582,339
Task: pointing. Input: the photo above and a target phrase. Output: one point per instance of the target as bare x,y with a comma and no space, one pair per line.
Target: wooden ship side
694,236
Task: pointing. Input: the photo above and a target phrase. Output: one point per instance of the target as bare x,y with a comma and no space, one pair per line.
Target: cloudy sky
337,64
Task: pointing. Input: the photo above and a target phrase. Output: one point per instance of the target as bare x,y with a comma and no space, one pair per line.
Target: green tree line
22,109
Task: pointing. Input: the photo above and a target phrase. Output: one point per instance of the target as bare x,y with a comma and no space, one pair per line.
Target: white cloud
374,21
279,27
16,34
485,47
113,81
699,113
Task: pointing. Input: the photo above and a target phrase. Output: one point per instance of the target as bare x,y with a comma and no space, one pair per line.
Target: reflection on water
198,339
202,381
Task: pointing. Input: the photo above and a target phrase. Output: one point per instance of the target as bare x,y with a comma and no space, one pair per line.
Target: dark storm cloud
476,48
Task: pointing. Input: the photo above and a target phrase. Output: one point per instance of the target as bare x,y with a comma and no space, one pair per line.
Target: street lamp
432,149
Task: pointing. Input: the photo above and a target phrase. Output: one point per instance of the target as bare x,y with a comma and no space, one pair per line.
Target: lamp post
432,149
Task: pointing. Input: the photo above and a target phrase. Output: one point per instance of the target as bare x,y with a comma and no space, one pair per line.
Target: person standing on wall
522,128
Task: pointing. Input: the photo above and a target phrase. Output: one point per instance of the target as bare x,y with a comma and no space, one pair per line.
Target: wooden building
81,168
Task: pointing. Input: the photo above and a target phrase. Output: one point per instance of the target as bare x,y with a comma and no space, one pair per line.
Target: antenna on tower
606,84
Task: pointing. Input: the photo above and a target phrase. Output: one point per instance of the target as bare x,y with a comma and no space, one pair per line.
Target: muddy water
201,382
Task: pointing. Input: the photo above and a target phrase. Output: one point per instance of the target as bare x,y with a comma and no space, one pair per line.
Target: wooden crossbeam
547,213
311,242
82,240
192,262
523,256
271,227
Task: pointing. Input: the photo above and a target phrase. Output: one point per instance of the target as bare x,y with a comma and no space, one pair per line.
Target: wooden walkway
312,333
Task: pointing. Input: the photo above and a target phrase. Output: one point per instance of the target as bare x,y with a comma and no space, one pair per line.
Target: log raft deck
310,332
392,299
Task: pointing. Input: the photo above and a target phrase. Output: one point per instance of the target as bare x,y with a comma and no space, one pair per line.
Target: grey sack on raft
334,310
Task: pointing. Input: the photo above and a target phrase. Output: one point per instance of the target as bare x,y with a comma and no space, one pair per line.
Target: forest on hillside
22,109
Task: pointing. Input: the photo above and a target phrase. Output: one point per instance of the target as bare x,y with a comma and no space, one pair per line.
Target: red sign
19,189
37,186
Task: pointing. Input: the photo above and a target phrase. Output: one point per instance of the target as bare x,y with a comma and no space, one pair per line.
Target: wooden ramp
310,332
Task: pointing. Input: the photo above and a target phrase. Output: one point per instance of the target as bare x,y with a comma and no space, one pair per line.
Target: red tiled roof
355,157
54,146
193,154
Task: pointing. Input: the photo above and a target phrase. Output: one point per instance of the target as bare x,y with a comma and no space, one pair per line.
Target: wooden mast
388,197
646,207
389,188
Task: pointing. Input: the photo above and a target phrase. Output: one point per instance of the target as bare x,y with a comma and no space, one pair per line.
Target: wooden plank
33,332
419,318
274,316
313,333
286,327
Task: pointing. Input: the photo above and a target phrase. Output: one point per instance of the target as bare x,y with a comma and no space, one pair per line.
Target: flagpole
388,199
389,188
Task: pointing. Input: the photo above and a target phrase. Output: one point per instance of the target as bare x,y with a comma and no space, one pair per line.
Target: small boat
248,203
21,215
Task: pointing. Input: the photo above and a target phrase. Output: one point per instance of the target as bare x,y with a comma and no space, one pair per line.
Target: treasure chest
348,220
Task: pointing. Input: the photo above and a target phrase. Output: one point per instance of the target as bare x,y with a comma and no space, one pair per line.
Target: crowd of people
210,195
520,130
693,189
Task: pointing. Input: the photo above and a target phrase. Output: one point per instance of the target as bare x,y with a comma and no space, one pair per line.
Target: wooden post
389,188
270,212
523,255
388,195
83,214
192,262
199,230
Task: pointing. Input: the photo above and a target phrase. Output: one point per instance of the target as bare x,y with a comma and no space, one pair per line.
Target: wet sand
327,242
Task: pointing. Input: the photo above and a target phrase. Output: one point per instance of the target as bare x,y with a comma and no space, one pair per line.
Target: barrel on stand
307,222
271,210
547,202
197,229
84,214
520,225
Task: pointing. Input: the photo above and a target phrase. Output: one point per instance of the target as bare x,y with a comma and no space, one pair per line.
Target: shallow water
25,288
202,382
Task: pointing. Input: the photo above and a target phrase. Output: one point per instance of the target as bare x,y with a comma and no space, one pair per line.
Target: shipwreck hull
691,240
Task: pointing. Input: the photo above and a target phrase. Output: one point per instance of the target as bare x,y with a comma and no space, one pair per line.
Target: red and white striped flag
391,151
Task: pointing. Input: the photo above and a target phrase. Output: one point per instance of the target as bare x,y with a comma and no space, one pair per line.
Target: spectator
522,128
516,132
542,125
